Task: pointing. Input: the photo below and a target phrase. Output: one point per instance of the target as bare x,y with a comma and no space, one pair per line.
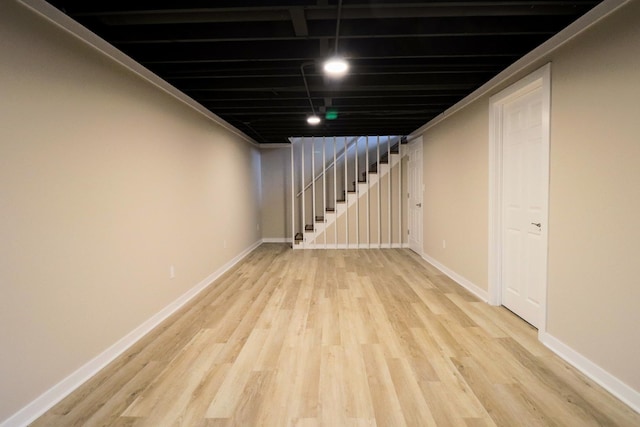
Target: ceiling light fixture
313,119
336,66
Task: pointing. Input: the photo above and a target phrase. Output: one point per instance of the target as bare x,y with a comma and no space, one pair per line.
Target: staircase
365,211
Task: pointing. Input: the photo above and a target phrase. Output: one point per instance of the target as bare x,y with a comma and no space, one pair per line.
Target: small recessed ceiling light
336,67
313,120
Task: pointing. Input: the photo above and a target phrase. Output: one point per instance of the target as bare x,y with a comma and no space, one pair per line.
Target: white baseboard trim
341,245
462,281
276,240
609,382
59,391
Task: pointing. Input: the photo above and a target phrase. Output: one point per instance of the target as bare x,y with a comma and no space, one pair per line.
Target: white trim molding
461,280
580,25
605,379
539,79
55,394
67,24
270,145
277,240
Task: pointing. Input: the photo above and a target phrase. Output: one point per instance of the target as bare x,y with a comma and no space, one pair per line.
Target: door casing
415,146
540,78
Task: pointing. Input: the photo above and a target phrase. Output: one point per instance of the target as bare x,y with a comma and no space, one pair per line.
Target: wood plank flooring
339,338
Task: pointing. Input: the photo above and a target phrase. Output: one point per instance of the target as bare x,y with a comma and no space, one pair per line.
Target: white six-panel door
522,248
520,148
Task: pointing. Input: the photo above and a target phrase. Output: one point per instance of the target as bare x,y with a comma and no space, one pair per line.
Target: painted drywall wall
455,203
594,240
105,182
276,193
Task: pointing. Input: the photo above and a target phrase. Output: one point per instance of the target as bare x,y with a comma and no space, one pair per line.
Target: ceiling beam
307,50
358,66
299,21
274,96
321,91
353,11
353,74
369,80
338,102
414,27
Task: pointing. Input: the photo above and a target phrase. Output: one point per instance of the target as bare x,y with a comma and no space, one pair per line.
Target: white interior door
523,187
414,190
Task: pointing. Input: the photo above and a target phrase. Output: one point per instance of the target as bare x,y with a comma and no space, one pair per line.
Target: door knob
419,205
537,224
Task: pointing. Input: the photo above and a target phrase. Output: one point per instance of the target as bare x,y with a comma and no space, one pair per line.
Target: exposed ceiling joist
299,21
356,11
409,61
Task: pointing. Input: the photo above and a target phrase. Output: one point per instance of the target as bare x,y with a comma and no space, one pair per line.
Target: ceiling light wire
306,86
336,66
335,50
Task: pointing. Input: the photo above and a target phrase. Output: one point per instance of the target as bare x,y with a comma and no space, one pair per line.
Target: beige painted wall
455,200
594,238
276,192
105,181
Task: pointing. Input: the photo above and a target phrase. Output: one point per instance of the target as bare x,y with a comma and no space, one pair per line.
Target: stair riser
352,197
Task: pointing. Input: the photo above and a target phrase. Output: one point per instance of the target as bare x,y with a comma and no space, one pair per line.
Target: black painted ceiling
410,60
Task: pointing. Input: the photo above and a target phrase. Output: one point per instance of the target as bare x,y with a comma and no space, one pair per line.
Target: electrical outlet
258,227
172,272
224,244
444,244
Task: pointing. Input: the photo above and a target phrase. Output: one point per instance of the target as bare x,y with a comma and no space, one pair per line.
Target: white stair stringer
314,239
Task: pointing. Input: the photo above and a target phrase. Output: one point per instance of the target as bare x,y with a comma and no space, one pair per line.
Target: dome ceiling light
336,66
313,120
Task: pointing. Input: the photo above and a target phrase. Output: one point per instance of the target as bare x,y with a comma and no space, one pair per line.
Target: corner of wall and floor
120,202
593,238
110,188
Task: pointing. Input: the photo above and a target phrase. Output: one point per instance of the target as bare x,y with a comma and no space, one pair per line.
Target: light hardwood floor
339,338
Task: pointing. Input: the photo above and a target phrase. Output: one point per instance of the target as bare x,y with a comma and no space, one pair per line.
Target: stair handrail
315,178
